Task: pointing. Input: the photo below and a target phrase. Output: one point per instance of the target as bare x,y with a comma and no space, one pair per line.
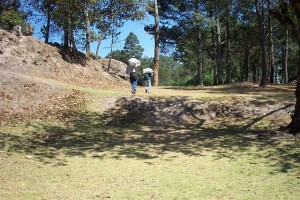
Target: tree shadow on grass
146,128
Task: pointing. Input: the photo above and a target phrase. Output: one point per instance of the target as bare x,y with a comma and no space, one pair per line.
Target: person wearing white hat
131,70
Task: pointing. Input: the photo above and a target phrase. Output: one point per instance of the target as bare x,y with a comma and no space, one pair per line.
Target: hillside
30,71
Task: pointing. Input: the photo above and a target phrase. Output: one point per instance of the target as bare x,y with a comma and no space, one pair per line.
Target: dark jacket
147,76
133,76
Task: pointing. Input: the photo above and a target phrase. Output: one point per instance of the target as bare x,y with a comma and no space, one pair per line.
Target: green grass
169,176
117,155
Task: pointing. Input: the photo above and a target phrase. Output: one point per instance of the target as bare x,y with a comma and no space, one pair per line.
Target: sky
146,40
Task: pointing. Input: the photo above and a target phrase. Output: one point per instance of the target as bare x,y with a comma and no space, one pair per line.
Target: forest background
201,42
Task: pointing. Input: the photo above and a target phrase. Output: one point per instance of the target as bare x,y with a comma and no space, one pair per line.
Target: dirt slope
28,66
27,55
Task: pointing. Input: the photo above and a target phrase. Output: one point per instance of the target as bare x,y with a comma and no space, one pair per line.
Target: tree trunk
260,19
72,38
295,124
110,54
298,72
199,49
228,56
87,28
245,69
111,43
199,61
285,60
66,28
272,64
218,55
156,46
219,68
200,71
47,32
254,77
271,50
66,37
282,15
101,36
215,75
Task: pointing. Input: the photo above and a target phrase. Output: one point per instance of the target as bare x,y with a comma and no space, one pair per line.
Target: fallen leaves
62,108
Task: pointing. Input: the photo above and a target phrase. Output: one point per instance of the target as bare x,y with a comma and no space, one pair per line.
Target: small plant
92,55
36,61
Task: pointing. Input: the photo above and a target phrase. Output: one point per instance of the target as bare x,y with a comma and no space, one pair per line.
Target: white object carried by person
147,70
133,62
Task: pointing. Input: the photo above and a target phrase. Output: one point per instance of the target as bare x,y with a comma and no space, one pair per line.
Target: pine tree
132,46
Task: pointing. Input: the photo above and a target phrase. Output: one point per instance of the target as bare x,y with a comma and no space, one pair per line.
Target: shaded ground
146,128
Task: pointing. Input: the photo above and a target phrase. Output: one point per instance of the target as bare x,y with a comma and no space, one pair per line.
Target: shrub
11,18
92,55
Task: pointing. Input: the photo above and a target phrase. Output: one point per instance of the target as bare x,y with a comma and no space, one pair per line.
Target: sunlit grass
171,175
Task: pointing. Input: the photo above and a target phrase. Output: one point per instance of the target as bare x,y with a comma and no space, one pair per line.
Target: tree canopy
217,42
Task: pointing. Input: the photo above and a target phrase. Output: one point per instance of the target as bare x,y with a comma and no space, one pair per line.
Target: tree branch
285,20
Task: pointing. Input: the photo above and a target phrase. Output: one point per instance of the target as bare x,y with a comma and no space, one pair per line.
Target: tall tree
86,13
285,58
187,35
48,7
260,14
155,30
218,31
228,41
71,20
284,15
132,46
156,45
271,48
112,14
46,10
199,53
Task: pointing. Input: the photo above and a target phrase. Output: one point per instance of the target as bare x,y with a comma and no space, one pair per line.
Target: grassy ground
109,153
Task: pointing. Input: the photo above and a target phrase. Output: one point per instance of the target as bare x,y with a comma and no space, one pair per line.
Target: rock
29,156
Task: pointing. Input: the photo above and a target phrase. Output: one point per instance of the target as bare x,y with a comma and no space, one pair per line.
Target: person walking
148,73
133,63
147,78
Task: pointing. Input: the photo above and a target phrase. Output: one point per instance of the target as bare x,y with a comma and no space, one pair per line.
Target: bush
92,55
11,18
